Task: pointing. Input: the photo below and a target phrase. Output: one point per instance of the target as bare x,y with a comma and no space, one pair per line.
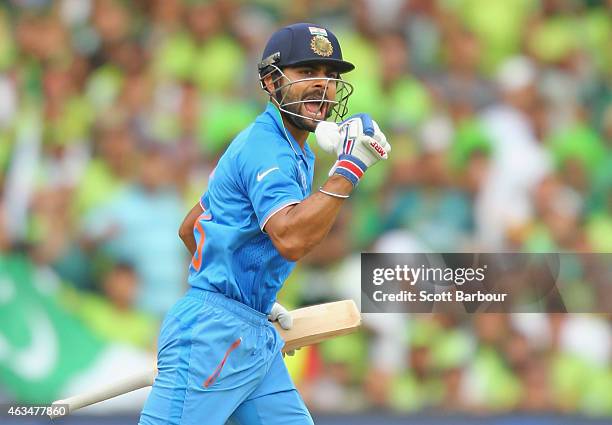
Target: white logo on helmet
317,31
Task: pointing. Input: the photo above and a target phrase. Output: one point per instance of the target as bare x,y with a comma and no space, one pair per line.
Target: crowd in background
113,113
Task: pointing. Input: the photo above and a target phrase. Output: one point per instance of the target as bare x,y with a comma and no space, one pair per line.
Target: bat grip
133,383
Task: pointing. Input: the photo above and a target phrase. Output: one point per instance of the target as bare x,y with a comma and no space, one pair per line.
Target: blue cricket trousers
219,362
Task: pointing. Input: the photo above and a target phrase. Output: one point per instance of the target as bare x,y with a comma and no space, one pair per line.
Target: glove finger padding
282,315
360,124
377,148
380,137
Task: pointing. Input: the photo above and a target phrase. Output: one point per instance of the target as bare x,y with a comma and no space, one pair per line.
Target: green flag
42,347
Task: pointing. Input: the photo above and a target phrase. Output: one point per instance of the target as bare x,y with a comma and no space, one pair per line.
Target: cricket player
219,356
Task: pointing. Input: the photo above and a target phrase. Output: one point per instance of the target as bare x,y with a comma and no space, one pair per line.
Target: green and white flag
47,353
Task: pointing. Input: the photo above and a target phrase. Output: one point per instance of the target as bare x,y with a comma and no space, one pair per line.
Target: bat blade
317,323
311,325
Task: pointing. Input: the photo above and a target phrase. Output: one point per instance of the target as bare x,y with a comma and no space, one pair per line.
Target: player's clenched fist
358,142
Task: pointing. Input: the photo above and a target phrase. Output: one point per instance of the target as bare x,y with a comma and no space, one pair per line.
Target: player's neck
298,134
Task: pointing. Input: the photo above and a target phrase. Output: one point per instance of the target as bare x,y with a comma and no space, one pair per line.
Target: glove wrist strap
350,167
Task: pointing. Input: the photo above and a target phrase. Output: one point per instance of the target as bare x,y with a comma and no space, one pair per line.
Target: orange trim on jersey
196,261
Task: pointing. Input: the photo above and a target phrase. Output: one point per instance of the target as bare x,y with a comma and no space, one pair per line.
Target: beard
299,120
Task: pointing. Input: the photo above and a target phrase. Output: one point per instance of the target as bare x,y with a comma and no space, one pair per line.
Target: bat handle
127,385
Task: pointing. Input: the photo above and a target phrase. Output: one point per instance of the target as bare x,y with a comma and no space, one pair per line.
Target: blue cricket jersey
262,171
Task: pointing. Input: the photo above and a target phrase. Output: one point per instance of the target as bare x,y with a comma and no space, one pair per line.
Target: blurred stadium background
113,113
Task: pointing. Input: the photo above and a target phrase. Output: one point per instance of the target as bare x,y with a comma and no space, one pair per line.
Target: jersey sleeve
204,203
271,182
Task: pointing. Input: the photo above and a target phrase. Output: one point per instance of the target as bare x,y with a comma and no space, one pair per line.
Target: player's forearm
297,230
186,229
190,243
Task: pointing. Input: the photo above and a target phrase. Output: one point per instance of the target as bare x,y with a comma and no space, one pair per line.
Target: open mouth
315,109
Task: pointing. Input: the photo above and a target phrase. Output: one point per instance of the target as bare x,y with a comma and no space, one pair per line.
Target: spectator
518,159
500,119
111,314
139,225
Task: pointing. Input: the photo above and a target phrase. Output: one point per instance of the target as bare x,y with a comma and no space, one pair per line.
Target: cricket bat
311,325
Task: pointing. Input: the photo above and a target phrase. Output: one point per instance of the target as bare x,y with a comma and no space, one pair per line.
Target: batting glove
358,142
281,314
284,318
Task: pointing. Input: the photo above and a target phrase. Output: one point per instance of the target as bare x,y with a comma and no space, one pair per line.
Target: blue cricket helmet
304,44
301,44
